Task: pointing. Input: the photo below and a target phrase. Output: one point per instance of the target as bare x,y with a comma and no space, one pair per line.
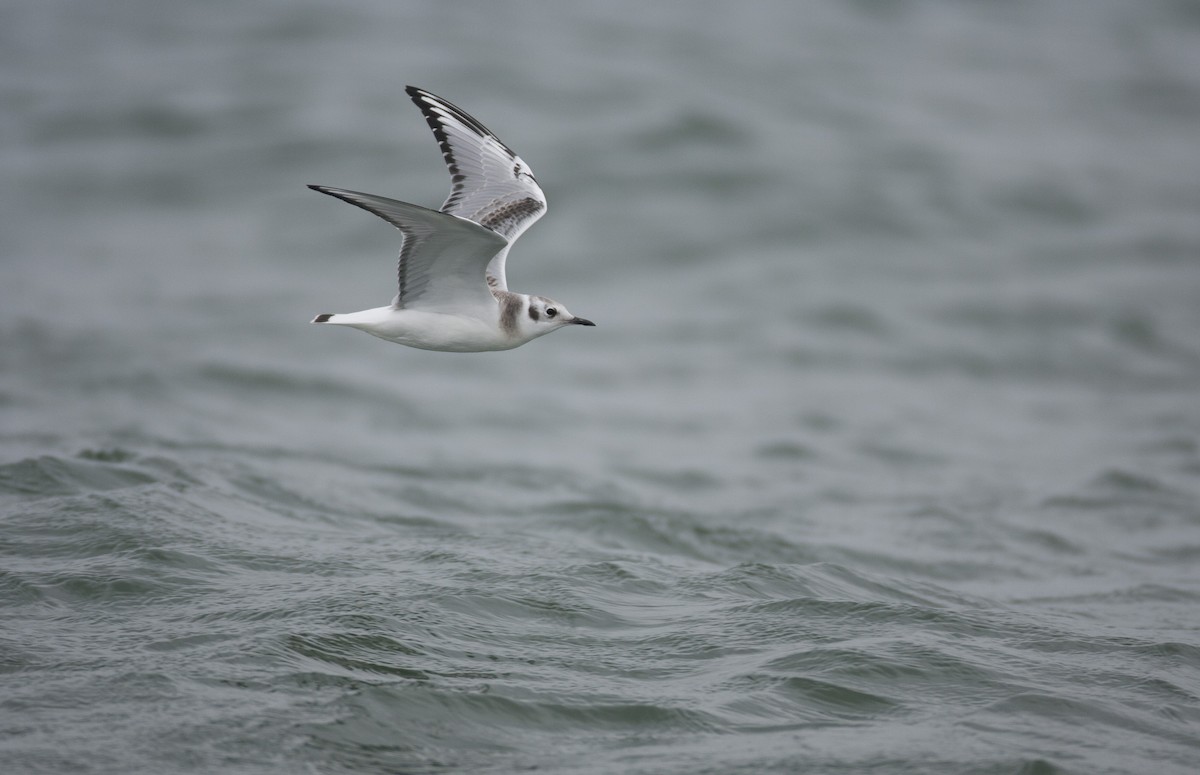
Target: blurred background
884,453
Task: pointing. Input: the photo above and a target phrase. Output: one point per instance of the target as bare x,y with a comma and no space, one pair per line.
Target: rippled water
883,456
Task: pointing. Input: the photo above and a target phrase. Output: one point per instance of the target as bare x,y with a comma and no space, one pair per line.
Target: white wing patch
490,184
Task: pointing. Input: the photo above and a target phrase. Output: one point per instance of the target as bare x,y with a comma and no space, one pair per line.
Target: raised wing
442,258
491,185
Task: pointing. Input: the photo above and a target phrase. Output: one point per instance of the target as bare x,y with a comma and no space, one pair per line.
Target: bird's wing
442,258
491,185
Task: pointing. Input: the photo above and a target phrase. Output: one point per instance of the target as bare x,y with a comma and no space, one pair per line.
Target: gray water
884,454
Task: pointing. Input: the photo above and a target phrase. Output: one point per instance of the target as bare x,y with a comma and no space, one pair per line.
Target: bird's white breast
430,330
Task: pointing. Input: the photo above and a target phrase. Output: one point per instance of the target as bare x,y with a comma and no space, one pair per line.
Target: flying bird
453,295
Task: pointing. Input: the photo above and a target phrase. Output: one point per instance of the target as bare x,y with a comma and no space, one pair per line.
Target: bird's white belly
429,330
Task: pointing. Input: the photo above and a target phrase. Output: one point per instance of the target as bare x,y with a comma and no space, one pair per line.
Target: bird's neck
514,313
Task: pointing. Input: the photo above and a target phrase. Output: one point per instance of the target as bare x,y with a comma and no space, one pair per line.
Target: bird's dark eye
551,312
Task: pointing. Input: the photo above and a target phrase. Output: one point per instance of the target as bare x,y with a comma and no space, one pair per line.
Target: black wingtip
417,94
323,317
427,101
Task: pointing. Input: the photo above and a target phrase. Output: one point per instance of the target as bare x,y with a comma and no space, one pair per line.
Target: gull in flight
453,295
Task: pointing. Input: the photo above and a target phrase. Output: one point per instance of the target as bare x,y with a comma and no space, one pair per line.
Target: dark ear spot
533,314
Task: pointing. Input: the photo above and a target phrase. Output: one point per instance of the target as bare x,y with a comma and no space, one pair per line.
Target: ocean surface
884,455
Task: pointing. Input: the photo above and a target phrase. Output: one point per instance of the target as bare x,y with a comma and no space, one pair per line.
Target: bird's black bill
582,322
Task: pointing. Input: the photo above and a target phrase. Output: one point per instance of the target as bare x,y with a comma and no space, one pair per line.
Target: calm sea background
884,454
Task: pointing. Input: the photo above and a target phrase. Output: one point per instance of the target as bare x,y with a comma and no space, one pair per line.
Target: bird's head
544,315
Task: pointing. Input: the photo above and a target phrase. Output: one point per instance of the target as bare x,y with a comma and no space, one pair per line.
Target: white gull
453,295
